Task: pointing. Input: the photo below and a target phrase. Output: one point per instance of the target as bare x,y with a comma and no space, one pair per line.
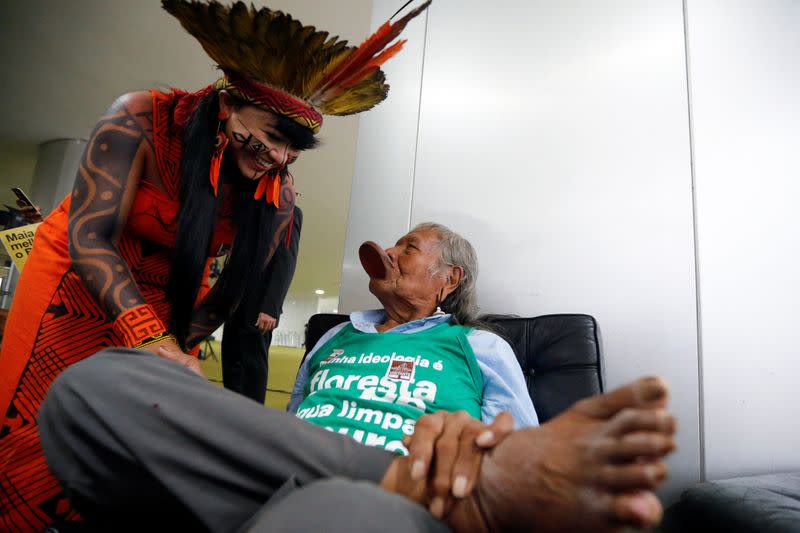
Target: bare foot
591,469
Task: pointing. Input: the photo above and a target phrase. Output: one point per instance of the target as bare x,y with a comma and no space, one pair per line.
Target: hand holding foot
591,469
457,442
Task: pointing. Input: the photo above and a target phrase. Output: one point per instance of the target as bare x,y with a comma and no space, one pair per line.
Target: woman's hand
447,449
169,350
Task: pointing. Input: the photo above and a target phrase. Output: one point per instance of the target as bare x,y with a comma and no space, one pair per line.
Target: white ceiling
64,62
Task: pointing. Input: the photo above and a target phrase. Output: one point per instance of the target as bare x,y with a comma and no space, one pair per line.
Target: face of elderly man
409,275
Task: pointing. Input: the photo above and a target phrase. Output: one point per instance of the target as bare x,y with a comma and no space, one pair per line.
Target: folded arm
207,317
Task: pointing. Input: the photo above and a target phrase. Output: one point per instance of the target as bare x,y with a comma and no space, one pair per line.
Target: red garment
55,322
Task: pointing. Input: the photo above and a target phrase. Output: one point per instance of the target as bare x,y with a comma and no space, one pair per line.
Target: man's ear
455,275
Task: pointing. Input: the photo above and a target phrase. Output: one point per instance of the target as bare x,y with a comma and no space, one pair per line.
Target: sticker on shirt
399,369
331,357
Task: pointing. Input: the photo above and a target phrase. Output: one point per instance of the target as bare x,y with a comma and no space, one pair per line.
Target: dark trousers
141,443
245,358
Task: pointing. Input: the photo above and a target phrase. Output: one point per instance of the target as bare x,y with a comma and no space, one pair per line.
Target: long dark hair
254,221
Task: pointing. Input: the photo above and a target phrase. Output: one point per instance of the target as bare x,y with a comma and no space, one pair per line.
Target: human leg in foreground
133,437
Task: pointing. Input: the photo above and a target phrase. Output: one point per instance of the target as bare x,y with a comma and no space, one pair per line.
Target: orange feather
356,65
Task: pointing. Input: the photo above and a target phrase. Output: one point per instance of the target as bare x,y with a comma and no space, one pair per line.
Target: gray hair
455,250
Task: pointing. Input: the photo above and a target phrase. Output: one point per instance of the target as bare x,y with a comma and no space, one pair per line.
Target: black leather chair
768,503
559,355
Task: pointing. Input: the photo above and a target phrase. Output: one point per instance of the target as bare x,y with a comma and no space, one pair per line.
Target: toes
639,509
637,420
632,476
651,391
637,445
645,392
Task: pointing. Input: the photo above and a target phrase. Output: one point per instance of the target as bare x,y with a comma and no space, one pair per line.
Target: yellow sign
18,243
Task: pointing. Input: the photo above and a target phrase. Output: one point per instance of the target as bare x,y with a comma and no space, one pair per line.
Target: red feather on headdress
362,61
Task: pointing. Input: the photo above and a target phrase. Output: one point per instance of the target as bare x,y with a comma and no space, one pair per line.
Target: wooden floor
283,364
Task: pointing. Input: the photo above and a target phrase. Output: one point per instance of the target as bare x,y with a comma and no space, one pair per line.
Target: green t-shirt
374,386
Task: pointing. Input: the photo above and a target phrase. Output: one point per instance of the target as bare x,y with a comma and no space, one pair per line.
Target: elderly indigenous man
373,377
136,439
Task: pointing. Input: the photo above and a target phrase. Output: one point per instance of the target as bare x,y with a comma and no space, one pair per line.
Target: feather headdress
272,61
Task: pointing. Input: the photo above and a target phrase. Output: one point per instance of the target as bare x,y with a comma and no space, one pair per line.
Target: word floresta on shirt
382,389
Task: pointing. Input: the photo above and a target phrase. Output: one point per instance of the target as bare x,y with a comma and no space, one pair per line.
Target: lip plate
374,260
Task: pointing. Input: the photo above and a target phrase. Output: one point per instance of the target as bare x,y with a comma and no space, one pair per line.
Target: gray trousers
141,443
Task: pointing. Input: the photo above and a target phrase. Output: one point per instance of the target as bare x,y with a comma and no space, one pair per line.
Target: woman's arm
283,217
209,314
206,318
108,175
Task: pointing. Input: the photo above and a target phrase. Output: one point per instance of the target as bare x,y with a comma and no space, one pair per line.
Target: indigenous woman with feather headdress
167,182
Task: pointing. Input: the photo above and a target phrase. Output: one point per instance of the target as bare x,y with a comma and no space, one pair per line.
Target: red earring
220,142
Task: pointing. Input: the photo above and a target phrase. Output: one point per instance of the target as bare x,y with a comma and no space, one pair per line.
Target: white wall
745,87
563,149
328,304
291,327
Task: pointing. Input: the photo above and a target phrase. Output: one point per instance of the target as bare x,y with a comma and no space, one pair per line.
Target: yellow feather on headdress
272,48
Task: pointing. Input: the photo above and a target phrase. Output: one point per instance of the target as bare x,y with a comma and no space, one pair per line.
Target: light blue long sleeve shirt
504,386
